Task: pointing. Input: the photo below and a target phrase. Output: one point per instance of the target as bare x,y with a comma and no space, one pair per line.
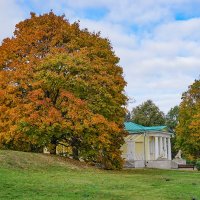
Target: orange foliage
188,129
61,84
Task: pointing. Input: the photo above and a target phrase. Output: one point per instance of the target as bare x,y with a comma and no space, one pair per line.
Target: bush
193,162
198,165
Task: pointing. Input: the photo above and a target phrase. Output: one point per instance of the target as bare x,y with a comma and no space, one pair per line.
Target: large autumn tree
188,129
148,114
61,85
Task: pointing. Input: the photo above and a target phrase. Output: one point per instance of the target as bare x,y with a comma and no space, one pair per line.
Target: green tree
188,129
60,84
172,118
172,122
148,114
128,116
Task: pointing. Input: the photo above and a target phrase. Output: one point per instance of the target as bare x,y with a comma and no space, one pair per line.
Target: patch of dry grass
27,160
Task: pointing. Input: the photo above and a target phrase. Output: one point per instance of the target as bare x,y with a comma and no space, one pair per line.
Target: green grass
37,176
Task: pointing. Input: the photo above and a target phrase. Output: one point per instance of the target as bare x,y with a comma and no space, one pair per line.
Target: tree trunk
53,149
75,153
53,146
74,144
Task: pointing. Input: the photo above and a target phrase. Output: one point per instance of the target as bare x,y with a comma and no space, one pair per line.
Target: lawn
38,176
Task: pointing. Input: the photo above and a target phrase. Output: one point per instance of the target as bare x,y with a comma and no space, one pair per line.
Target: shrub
198,165
193,162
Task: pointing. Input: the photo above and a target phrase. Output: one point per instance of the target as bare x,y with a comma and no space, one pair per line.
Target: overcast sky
157,41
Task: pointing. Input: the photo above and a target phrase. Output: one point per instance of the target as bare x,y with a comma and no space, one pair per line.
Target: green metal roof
133,127
136,128
156,128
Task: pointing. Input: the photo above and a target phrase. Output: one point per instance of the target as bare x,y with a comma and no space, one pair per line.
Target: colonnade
162,147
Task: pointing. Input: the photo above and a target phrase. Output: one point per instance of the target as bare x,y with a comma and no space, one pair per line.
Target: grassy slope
37,176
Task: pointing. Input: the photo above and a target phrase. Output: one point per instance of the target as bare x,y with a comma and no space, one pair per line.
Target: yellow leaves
13,128
35,95
67,94
37,84
188,129
98,119
54,115
11,88
34,117
103,138
195,127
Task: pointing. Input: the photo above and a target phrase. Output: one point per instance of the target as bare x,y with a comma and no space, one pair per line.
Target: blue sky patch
95,13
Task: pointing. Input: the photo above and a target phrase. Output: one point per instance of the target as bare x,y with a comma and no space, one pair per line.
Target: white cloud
177,30
114,32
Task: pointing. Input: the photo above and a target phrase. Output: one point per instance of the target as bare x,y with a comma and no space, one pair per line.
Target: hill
37,161
38,176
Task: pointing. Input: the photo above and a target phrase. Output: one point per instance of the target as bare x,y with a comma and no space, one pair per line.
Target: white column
169,149
165,147
148,148
130,150
161,146
156,148
133,150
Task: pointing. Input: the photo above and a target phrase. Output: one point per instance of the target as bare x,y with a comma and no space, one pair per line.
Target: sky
157,41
